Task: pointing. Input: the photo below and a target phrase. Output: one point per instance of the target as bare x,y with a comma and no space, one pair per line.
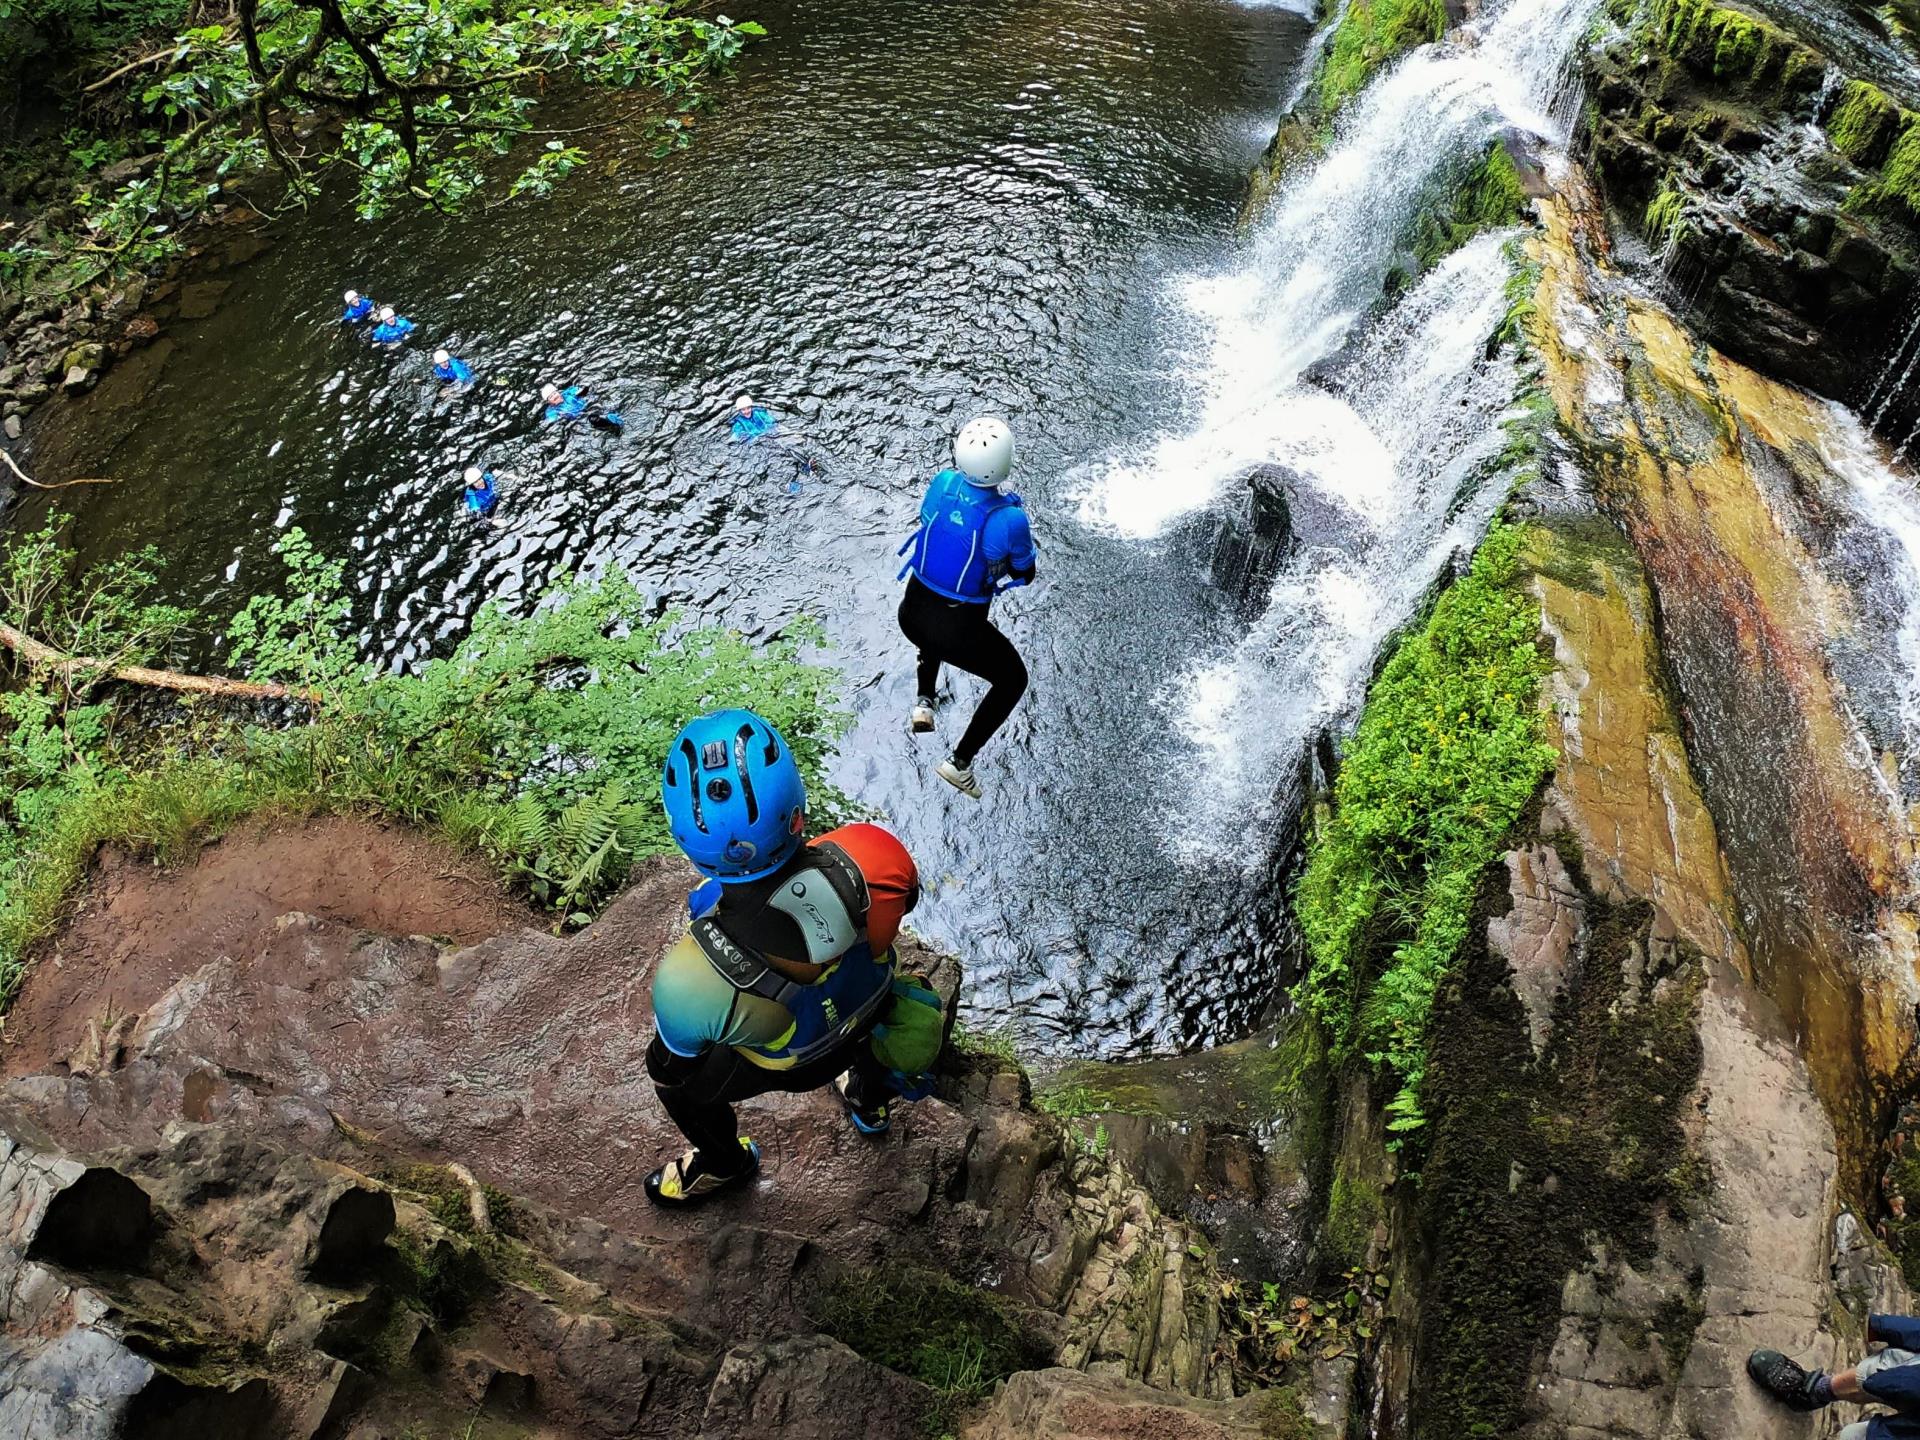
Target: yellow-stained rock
1719,478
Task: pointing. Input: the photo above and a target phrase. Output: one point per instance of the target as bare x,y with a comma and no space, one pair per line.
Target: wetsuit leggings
699,1094
956,633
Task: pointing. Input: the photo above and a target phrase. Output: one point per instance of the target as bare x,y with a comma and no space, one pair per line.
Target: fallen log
38,653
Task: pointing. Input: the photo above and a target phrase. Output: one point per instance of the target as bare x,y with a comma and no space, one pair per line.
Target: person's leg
697,1096
1847,1385
990,655
923,622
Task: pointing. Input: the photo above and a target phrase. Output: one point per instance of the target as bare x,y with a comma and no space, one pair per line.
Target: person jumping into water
973,542
571,404
789,965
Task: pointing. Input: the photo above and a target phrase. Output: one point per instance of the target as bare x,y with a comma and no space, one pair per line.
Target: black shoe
867,1119
687,1181
1781,1378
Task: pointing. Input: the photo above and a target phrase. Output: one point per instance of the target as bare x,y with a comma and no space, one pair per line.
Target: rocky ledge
285,1172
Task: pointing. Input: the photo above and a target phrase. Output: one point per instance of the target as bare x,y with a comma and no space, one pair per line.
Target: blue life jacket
395,330
481,499
456,371
752,425
357,311
571,407
968,546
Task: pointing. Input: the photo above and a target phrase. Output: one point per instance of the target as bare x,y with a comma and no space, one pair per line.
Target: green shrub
957,1339
1449,750
539,740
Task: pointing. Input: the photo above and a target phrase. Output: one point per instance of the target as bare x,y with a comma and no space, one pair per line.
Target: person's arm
1011,558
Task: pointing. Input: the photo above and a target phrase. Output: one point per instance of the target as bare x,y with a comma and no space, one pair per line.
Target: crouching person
1890,1377
788,970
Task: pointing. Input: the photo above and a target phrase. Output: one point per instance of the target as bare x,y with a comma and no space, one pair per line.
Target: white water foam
1400,440
1323,248
1886,499
1406,449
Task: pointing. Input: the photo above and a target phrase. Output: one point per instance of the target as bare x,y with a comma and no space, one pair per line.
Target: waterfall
1893,379
1397,442
1885,499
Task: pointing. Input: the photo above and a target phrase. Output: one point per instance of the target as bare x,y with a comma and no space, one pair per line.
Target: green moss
1355,1208
1898,189
1489,197
1283,1417
1535,1159
1371,35
1863,124
1677,1317
1730,44
954,1338
441,1274
1666,221
1449,750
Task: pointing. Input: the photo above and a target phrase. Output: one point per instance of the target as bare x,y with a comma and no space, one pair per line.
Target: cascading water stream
1396,442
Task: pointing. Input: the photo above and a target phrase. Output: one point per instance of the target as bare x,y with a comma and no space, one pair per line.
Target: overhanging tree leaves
418,99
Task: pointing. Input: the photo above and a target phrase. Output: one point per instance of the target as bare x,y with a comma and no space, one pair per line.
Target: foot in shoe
923,716
959,776
1791,1384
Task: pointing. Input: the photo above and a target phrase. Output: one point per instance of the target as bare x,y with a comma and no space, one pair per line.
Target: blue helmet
733,795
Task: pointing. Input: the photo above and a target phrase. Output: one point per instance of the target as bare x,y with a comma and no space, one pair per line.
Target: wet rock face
1266,515
1726,484
1746,203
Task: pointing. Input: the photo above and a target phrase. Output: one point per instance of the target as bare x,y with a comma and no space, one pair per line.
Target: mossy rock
958,1339
1864,124
1371,35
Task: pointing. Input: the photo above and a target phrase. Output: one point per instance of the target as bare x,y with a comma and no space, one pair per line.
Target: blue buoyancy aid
456,371
571,406
394,331
357,311
973,540
481,497
752,424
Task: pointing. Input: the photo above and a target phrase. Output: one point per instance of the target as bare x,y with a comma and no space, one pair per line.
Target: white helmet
551,394
983,450
386,312
352,296
441,357
743,403
473,476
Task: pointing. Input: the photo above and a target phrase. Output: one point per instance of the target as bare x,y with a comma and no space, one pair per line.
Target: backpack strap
749,970
745,969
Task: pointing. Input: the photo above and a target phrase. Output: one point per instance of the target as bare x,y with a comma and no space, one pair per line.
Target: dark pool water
898,215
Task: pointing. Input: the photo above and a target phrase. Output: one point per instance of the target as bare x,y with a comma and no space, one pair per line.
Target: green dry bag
907,1040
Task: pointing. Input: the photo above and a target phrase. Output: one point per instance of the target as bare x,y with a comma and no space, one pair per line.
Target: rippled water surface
897,215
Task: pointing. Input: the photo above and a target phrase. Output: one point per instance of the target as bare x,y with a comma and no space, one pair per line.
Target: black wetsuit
962,634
